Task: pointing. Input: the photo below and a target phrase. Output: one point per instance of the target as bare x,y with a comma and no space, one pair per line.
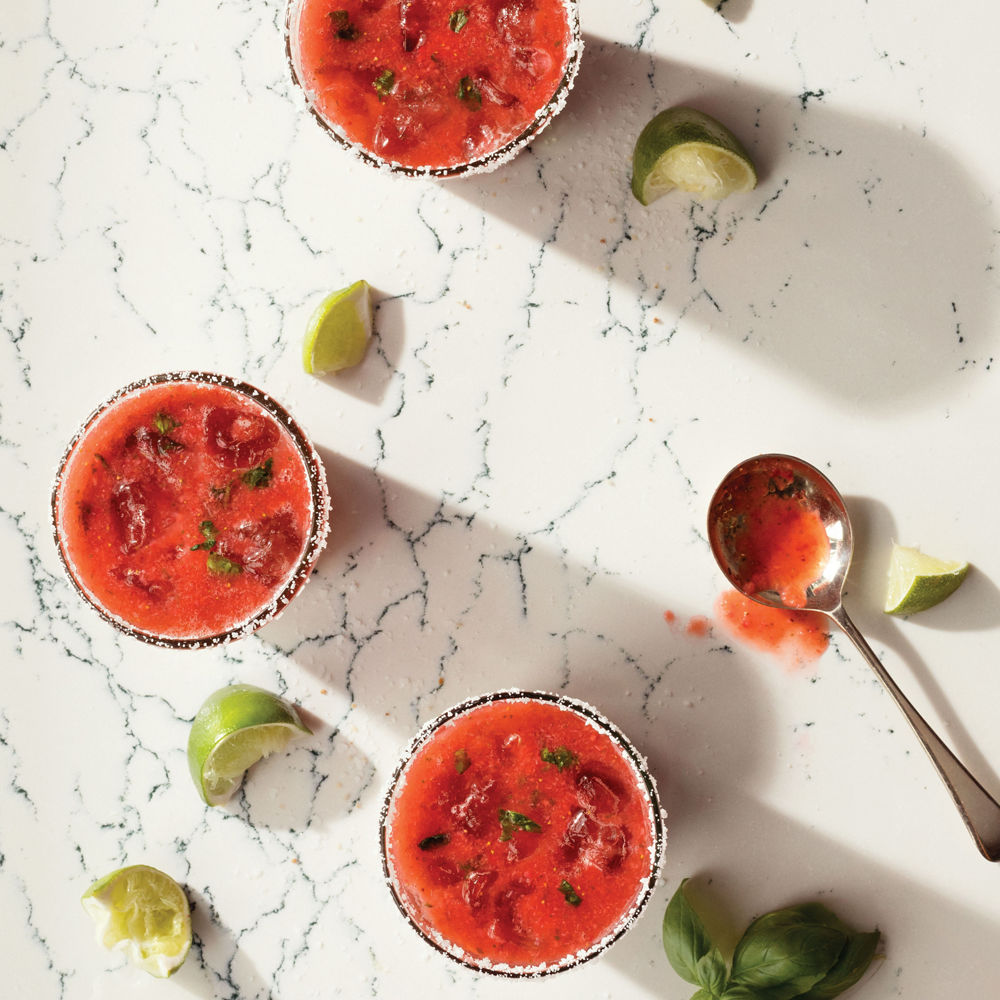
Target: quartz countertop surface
520,471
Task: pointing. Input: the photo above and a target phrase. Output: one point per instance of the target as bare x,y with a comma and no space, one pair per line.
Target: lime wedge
918,582
338,330
235,728
692,151
143,912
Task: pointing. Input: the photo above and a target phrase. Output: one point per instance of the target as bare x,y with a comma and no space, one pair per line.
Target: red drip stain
698,625
797,638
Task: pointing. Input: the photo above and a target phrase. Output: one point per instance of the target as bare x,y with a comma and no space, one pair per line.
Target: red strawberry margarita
190,509
522,833
434,86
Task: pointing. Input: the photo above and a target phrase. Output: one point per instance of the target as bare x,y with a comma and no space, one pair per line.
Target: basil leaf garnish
222,566
561,757
511,821
384,83
687,942
804,952
342,27
462,761
207,529
164,423
469,93
458,19
569,893
848,969
788,951
259,476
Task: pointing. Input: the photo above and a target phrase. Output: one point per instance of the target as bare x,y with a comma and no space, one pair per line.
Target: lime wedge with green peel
918,582
235,728
143,912
339,330
687,149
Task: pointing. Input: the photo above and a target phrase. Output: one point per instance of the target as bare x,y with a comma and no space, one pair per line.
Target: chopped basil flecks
259,476
100,458
435,840
342,26
222,566
468,92
165,444
207,529
384,83
216,563
458,19
221,493
561,757
462,760
796,486
511,821
569,893
164,423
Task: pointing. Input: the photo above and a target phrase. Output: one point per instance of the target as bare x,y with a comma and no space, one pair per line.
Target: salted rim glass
318,528
481,164
645,783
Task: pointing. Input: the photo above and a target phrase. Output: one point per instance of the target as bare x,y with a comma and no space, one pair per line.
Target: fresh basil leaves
800,952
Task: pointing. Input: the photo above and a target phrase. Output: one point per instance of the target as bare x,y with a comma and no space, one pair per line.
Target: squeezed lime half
144,913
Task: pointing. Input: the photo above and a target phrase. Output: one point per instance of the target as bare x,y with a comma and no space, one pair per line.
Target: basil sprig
800,952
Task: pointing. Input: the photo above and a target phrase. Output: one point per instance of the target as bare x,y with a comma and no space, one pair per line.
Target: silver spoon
730,521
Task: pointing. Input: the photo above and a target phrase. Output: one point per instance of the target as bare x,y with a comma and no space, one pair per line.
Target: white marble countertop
520,472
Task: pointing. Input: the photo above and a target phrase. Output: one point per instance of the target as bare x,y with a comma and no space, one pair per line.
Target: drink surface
183,508
431,83
520,834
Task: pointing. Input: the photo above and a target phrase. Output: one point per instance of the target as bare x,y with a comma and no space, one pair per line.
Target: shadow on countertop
861,263
461,607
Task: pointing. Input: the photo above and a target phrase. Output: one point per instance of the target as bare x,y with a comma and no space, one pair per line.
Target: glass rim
487,162
319,525
644,781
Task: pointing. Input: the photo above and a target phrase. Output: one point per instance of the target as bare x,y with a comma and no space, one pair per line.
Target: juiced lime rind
338,331
918,581
234,728
144,913
684,147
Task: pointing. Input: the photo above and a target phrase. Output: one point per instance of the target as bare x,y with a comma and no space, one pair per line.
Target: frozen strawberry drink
521,833
434,86
190,509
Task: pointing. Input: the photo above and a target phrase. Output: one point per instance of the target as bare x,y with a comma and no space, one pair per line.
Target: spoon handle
978,808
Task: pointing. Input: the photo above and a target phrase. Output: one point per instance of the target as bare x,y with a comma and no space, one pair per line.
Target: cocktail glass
488,156
640,784
188,634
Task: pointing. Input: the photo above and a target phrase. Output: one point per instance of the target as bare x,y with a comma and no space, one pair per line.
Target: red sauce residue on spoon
781,541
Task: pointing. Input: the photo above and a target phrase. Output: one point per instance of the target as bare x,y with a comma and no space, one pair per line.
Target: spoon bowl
780,532
736,508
